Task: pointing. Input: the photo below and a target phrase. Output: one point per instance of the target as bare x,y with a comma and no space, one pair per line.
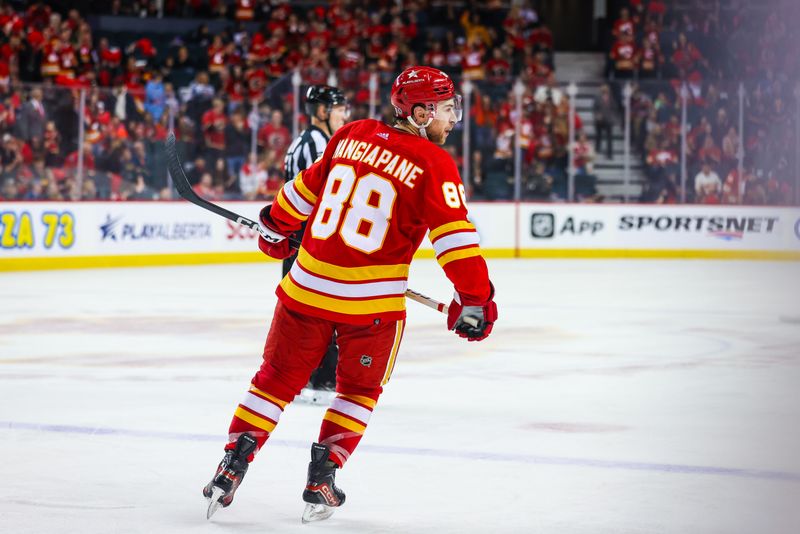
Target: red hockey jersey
369,202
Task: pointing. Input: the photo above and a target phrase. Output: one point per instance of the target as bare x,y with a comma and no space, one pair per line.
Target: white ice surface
612,397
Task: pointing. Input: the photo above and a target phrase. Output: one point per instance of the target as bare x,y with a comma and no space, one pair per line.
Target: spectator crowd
704,54
215,88
228,94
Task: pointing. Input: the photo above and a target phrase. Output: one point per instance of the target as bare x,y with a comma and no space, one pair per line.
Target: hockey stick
185,190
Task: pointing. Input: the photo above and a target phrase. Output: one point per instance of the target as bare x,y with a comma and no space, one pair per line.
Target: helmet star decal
412,74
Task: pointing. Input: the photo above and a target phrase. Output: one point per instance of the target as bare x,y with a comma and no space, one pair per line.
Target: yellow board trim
282,202
254,420
274,399
304,191
349,424
449,227
49,263
396,345
366,401
349,307
471,252
41,263
373,272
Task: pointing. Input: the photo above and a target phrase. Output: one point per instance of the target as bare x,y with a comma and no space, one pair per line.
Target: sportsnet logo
724,228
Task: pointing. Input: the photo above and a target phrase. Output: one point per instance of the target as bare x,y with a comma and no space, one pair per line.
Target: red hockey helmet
423,86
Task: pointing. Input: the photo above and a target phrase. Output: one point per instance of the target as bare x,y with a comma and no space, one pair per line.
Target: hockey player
369,202
327,108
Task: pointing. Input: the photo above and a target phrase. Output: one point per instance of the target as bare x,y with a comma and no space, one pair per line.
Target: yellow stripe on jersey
260,422
361,274
282,202
304,191
396,345
360,399
449,227
349,307
444,259
274,399
349,424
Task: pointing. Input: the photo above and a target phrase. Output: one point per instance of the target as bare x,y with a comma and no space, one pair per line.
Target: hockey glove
272,241
472,320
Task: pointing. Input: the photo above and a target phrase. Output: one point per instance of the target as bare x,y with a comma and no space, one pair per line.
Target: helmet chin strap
421,128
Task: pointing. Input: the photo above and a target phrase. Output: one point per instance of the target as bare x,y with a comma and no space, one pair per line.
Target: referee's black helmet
323,95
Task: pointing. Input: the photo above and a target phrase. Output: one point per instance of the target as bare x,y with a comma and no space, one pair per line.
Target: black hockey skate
229,474
321,492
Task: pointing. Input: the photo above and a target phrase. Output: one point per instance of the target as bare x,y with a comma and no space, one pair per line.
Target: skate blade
317,512
214,501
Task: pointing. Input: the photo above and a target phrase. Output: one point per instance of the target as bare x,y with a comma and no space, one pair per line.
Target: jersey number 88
370,201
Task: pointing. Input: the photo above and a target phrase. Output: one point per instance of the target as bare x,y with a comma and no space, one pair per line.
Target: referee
327,108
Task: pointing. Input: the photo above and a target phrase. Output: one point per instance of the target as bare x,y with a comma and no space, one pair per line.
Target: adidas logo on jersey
383,135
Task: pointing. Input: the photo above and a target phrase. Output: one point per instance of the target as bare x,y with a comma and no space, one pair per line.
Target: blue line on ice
441,453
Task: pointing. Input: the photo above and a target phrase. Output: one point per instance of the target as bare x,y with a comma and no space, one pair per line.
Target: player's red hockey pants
295,346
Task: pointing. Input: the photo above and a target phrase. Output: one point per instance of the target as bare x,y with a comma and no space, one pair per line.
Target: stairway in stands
586,70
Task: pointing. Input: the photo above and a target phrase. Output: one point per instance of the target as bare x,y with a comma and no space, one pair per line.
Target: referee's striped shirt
304,151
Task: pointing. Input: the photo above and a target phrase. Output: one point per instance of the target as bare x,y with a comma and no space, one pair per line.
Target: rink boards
47,235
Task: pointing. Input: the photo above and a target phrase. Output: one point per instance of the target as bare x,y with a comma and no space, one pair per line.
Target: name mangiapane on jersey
379,158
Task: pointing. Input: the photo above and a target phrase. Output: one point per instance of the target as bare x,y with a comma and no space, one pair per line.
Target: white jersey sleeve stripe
296,199
459,239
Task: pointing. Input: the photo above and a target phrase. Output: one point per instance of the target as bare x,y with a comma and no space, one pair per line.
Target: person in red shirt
259,51
434,55
663,159
686,57
217,56
657,8
71,162
51,59
344,29
205,187
296,30
473,65
277,21
274,135
623,25
256,79
537,71
368,202
623,55
498,68
648,60
316,67
319,36
541,38
214,121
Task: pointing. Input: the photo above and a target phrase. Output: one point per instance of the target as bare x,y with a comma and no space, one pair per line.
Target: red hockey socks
344,424
257,414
